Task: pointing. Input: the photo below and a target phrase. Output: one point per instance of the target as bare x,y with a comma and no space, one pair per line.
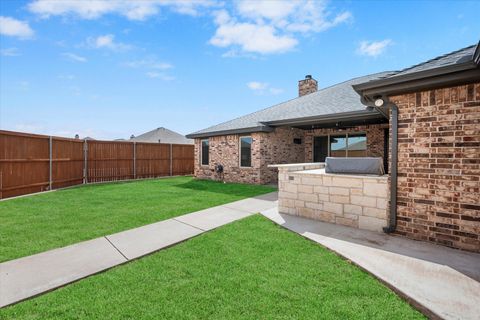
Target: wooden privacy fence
33,163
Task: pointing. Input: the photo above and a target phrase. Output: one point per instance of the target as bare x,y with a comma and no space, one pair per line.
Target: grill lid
366,165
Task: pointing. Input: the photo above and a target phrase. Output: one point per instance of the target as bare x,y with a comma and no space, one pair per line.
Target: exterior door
320,148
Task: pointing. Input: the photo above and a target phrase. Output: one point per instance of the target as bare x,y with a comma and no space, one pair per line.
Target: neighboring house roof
341,102
162,135
89,138
339,98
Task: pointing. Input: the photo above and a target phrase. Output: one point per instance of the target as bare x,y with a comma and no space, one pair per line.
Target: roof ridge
436,58
275,105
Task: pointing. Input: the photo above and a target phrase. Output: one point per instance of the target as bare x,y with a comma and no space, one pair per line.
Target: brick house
424,121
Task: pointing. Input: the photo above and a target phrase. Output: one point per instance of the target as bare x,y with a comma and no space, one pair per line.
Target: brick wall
275,147
439,166
225,150
267,148
278,147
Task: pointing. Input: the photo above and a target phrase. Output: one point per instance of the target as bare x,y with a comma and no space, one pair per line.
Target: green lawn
41,222
250,269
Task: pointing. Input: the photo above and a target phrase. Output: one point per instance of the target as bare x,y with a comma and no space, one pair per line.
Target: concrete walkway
440,281
27,277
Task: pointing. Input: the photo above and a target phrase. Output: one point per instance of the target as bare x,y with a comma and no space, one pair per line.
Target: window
204,153
357,145
347,145
245,151
338,146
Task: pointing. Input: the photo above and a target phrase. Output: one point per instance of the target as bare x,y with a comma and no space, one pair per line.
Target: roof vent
308,76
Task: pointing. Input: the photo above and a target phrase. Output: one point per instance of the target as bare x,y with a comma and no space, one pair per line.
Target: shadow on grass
237,189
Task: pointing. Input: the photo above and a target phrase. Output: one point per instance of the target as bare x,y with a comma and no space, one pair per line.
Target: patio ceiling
339,120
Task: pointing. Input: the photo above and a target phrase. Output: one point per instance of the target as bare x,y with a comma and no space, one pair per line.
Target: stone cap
298,166
321,171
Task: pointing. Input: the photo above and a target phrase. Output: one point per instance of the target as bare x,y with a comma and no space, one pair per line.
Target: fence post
171,160
134,160
85,151
50,152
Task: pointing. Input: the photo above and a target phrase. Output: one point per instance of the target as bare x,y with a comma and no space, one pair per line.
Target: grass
250,269
41,222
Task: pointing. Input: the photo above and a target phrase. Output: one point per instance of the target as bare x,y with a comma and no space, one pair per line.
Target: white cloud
149,63
294,16
10,52
255,85
73,57
274,10
15,28
106,42
159,75
131,9
250,37
257,27
153,68
267,27
263,88
373,48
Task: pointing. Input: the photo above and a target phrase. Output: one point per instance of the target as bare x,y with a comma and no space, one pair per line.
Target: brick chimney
306,86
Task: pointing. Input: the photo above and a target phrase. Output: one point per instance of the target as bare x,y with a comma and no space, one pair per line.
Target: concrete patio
442,282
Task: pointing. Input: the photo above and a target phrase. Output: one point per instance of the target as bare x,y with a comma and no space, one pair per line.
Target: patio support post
50,151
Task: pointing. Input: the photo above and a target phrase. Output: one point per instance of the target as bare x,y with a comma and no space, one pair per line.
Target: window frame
240,152
346,135
201,153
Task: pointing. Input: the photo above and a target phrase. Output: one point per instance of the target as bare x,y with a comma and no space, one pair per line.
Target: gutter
343,116
230,131
429,73
379,87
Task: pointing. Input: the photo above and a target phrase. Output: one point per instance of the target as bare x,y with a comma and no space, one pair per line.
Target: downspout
392,219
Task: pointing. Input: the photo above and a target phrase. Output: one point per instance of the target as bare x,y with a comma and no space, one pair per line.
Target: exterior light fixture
379,102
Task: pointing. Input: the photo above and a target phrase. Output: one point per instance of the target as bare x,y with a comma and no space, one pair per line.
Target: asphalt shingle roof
452,58
338,98
162,135
334,99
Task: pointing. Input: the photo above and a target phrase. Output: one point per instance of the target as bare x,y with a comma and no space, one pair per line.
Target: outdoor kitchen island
354,200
